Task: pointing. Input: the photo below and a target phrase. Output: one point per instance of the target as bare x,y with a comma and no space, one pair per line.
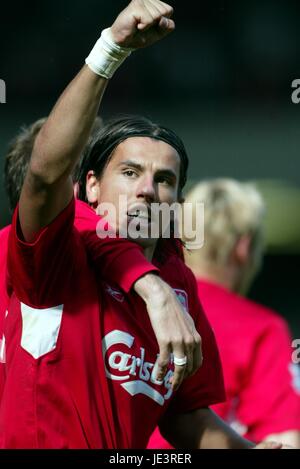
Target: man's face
145,171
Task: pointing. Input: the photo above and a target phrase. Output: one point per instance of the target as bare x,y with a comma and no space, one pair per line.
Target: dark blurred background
222,80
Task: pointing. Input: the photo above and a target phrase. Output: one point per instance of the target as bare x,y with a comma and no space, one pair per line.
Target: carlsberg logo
137,376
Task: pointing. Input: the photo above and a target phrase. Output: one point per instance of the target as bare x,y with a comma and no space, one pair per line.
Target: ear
76,190
242,249
92,188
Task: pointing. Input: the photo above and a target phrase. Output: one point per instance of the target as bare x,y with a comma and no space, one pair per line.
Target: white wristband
106,56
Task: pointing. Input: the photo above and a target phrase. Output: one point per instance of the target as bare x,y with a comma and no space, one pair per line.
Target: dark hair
17,159
100,150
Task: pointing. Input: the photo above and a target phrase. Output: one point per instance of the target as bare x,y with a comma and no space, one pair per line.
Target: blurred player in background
18,156
261,382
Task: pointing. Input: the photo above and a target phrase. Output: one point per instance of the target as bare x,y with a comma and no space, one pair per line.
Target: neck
225,276
148,252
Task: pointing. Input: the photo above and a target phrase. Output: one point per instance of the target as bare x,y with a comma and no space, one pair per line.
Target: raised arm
48,189
48,186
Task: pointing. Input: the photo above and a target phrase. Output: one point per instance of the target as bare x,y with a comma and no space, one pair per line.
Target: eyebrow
132,164
167,172
139,167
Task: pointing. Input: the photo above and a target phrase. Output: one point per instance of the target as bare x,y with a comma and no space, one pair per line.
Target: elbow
41,171
37,168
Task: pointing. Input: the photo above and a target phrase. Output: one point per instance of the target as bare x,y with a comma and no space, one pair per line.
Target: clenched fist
142,23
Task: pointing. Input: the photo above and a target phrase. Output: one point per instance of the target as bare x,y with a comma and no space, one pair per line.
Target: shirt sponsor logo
137,375
182,297
116,294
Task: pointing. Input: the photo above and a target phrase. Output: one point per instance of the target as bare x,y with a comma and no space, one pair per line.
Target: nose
146,188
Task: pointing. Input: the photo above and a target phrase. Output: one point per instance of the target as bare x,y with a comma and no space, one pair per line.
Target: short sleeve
39,270
117,260
206,386
270,400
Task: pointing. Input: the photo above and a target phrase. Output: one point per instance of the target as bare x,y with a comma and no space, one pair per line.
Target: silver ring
180,361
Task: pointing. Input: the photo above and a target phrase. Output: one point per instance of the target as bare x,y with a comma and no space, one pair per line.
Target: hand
142,23
173,327
269,445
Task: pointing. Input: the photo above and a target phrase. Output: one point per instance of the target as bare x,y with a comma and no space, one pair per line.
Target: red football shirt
58,391
130,351
262,384
116,259
4,233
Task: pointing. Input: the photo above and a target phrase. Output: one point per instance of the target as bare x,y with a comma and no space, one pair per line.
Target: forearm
217,434
201,429
48,184
66,131
149,286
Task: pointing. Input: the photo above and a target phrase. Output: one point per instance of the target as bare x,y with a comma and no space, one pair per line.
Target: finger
149,16
189,352
162,362
189,342
178,377
268,445
197,354
144,23
166,24
163,8
154,10
145,19
179,370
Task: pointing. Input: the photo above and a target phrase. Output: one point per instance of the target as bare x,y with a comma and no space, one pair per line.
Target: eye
129,173
164,180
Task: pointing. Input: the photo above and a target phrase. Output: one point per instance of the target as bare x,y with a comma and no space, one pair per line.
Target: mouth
140,214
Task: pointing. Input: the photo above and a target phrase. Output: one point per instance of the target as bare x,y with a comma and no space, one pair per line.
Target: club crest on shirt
116,294
127,365
182,297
